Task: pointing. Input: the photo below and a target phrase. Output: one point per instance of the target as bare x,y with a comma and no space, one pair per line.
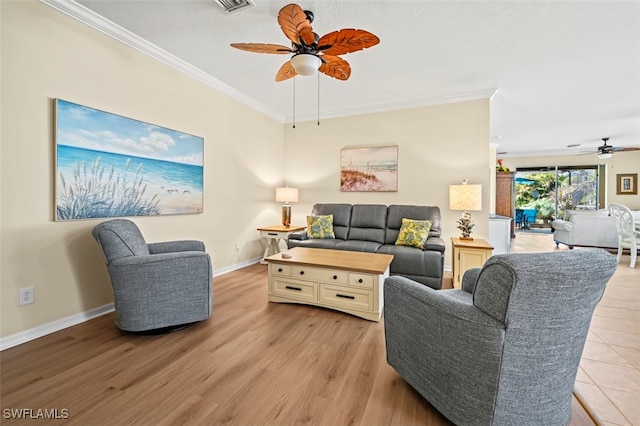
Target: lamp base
465,224
286,215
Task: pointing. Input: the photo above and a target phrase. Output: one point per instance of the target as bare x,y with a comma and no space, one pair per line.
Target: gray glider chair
157,287
504,349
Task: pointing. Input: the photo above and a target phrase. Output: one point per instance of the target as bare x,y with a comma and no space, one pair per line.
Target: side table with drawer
272,235
468,254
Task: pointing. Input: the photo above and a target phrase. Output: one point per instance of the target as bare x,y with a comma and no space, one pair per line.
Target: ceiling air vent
234,5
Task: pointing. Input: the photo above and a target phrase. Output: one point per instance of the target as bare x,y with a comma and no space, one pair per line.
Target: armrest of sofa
435,243
175,246
562,225
298,235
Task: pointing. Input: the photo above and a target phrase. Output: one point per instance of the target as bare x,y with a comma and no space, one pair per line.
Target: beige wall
46,55
620,163
437,146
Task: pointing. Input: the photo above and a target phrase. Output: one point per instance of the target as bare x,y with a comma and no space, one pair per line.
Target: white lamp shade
305,63
465,197
287,195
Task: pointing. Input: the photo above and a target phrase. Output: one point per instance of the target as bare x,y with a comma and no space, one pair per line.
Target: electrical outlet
27,295
237,247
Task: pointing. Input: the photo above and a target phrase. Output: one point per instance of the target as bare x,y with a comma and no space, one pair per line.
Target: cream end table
272,235
468,254
346,281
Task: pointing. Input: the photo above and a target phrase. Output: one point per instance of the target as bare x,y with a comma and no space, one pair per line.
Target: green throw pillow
320,226
413,233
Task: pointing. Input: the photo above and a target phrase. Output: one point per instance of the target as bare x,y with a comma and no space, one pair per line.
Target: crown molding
103,25
395,106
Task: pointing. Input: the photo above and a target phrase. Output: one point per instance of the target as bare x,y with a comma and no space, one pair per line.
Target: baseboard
61,324
237,266
52,327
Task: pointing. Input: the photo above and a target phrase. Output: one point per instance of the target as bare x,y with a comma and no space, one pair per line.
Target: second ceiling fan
606,151
311,52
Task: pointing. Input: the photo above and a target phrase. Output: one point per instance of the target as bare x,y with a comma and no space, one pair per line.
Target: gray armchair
157,287
504,349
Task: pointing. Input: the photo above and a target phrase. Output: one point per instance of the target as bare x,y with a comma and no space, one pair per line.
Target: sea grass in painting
94,194
369,169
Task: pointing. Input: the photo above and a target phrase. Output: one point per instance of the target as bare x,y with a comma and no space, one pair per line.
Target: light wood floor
252,363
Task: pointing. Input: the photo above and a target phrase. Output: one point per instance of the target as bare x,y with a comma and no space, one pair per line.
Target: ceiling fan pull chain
294,102
318,99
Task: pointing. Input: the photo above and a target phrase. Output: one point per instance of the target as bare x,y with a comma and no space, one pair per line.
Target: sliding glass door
545,193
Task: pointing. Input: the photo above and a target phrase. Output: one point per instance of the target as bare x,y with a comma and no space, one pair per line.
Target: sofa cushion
320,227
395,214
341,217
314,243
413,233
368,223
358,245
568,214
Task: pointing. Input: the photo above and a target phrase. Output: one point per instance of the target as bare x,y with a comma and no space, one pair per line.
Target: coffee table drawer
319,274
347,298
300,290
361,280
280,270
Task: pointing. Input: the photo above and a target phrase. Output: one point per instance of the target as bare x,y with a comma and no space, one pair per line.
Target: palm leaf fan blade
294,24
346,40
286,72
262,48
335,66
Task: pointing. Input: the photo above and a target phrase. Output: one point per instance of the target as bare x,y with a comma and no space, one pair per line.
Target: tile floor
608,379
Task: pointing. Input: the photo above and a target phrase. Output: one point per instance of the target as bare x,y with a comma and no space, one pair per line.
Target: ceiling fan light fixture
605,155
306,63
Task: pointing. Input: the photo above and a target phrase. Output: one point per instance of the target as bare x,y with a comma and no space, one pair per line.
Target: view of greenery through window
575,189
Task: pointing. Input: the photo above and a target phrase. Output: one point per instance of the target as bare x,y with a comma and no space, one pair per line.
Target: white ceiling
564,72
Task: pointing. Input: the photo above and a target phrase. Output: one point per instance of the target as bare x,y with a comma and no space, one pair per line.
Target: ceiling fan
606,151
311,52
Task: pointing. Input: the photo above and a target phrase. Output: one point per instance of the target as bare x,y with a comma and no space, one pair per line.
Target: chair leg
634,253
619,256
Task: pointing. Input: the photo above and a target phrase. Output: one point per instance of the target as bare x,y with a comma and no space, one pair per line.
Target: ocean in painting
163,187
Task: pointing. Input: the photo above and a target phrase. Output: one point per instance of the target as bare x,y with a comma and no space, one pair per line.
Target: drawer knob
360,280
301,272
279,269
335,277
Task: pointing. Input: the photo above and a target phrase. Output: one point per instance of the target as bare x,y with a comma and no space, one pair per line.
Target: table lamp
465,197
286,195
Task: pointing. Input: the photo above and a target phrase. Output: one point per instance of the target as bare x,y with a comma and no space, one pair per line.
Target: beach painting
108,165
369,169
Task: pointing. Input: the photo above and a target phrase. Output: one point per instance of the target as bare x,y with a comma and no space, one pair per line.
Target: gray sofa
504,349
587,228
374,228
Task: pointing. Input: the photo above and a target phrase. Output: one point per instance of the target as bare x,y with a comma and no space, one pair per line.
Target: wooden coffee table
346,281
